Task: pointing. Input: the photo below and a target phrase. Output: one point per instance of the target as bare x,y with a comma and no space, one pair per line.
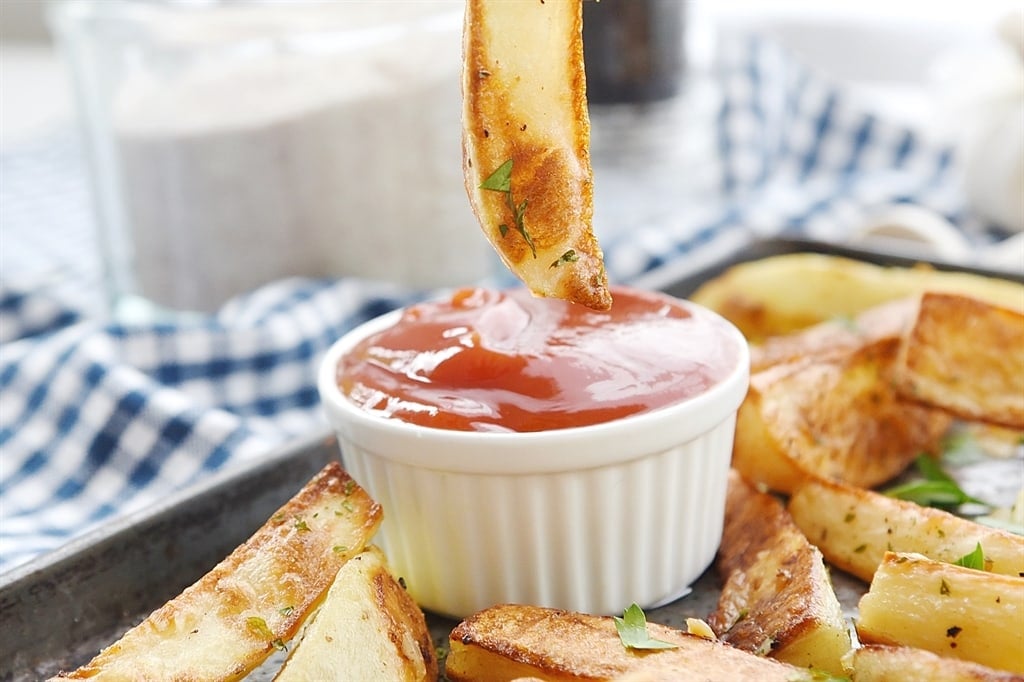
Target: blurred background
198,197
87,177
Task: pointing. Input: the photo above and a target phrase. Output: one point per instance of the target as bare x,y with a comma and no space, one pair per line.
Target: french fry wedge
526,144
368,628
781,294
966,356
836,337
835,417
777,597
854,528
510,642
228,622
880,663
949,610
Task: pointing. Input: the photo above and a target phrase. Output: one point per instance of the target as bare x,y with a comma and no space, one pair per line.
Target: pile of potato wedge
834,410
857,370
840,407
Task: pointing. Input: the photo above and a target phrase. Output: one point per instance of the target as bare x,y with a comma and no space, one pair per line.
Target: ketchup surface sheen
506,361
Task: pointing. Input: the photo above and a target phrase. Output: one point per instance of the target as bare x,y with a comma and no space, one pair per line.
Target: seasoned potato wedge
781,294
966,356
946,609
524,103
777,597
880,663
854,528
836,337
227,623
368,628
510,642
835,417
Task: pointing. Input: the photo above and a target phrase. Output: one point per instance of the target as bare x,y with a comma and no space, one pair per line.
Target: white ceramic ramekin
588,519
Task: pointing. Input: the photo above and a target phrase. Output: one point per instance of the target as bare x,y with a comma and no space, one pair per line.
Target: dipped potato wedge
510,642
947,609
854,528
229,621
835,417
777,598
526,144
368,628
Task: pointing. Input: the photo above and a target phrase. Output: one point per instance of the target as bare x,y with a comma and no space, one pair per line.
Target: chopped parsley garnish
501,181
935,489
259,627
569,256
632,629
974,559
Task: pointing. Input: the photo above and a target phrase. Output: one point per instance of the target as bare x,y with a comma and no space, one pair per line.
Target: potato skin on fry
777,596
368,628
880,663
966,356
782,294
227,623
510,642
946,609
524,100
854,528
835,338
834,417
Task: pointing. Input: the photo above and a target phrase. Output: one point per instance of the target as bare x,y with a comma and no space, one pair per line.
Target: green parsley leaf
936,489
974,559
569,256
632,629
930,493
259,626
500,180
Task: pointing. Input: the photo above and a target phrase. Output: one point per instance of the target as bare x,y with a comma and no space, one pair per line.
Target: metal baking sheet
57,611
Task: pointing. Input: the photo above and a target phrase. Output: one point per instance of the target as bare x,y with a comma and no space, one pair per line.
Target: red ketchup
507,361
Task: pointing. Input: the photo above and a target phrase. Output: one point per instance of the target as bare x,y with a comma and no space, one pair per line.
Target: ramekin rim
346,417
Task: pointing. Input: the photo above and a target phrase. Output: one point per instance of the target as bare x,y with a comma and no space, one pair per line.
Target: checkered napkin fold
99,419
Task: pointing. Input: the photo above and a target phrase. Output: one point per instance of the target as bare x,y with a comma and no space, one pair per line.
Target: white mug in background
235,143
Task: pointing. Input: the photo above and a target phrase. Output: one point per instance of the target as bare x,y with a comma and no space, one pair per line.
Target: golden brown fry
946,609
880,663
777,597
966,356
524,101
854,528
368,628
835,417
782,294
836,337
228,622
510,642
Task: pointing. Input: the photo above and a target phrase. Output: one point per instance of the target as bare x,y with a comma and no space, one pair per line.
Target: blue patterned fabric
99,419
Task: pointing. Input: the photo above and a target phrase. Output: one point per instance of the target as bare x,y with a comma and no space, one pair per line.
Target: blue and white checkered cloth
98,419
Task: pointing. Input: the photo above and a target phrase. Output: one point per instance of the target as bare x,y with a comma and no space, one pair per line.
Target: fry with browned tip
526,145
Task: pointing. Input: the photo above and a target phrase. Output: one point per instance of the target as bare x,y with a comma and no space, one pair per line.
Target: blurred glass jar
634,49
238,142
